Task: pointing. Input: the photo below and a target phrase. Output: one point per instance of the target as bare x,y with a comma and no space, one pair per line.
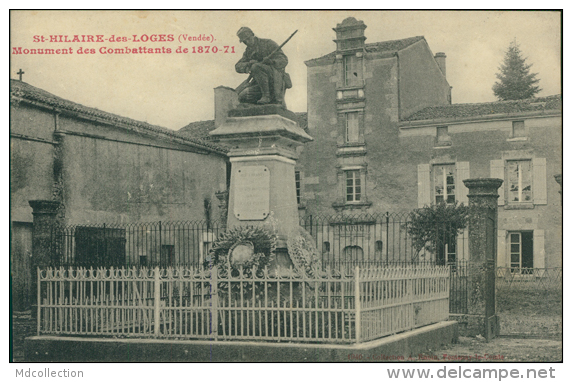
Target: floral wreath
261,240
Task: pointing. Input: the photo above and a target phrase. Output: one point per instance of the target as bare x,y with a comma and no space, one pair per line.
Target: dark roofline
208,125
412,121
370,48
23,91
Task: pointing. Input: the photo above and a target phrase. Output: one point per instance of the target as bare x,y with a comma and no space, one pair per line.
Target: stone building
387,138
356,96
517,141
101,168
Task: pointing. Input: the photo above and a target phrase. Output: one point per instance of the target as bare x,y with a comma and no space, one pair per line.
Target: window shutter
423,185
462,174
538,249
497,171
501,249
539,180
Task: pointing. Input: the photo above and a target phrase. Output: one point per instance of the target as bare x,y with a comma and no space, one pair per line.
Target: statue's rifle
243,85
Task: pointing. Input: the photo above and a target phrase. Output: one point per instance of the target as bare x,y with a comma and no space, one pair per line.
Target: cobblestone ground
502,349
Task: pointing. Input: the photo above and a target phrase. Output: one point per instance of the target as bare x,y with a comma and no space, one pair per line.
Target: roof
25,91
201,129
468,110
376,47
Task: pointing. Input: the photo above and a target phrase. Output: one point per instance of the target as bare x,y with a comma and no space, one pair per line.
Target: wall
318,158
31,161
109,174
114,181
421,82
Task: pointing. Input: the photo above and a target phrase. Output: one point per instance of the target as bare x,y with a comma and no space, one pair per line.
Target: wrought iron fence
528,278
226,304
381,238
365,238
138,244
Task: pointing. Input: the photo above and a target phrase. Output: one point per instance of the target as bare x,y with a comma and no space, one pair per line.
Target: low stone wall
393,348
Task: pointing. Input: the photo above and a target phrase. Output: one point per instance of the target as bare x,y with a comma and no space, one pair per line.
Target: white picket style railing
268,305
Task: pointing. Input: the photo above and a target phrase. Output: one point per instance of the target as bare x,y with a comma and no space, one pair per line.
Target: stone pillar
483,223
225,99
45,215
263,141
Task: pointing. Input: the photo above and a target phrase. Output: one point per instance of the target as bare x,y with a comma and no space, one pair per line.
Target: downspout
398,86
58,174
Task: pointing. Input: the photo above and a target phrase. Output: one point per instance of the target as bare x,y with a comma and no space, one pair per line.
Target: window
444,183
443,138
352,253
520,252
352,127
351,77
326,247
518,129
353,186
519,174
378,249
298,186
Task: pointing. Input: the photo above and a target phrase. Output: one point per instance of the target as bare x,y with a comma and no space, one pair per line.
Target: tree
515,79
431,227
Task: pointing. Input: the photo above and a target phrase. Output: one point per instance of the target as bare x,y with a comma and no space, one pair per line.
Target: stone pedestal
263,142
483,223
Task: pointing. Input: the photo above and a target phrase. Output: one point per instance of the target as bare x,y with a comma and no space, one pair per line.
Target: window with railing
521,248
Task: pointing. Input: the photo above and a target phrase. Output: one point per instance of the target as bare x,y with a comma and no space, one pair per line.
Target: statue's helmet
244,33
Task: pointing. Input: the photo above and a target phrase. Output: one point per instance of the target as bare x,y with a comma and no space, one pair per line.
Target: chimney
441,59
225,99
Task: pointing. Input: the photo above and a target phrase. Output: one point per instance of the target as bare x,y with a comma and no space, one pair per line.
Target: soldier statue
264,60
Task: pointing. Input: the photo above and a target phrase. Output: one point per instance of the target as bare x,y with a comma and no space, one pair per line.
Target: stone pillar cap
44,206
480,186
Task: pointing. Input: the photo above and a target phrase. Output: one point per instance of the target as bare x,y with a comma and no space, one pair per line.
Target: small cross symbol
20,74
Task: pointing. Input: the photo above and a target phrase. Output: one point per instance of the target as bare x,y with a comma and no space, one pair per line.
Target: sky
172,90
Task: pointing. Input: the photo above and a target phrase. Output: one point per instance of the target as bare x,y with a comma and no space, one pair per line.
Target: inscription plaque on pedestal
252,193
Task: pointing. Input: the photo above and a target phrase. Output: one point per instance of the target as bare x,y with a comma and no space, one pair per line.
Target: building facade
388,138
102,168
356,96
519,142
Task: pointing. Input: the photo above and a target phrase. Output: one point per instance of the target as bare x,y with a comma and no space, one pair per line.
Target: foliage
303,251
515,80
430,226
